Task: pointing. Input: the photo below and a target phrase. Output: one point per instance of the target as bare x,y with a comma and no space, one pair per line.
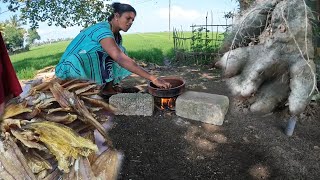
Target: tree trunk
245,4
270,58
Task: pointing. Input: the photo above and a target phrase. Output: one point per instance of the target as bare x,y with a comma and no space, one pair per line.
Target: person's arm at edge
110,46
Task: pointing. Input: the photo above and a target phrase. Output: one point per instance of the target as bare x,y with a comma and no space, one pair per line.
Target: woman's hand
161,83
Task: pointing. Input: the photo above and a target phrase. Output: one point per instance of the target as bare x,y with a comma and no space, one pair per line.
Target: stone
204,107
140,104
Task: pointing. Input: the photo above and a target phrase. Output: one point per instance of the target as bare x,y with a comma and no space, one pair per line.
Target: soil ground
246,146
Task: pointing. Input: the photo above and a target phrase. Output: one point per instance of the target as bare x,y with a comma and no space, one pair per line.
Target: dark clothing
9,84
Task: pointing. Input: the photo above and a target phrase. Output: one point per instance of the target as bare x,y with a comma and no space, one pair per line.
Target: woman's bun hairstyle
120,8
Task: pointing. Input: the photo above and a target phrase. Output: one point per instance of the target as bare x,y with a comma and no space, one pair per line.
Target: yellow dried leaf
63,142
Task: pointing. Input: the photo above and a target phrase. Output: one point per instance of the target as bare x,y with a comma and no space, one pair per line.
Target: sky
152,16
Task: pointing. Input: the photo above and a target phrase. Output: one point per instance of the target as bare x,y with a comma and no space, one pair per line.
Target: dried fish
62,96
107,165
66,83
80,108
77,86
37,164
89,93
42,174
13,162
26,142
63,142
66,118
7,123
29,135
95,109
51,123
42,86
59,110
100,103
42,97
81,170
85,89
15,109
34,113
56,174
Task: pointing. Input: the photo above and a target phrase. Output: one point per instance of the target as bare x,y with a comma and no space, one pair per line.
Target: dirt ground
246,146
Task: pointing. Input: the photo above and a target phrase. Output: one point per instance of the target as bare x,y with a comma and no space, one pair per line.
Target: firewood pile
49,133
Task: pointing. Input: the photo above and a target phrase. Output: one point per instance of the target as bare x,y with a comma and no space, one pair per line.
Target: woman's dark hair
120,9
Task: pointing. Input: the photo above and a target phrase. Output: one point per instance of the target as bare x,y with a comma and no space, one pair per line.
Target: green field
150,47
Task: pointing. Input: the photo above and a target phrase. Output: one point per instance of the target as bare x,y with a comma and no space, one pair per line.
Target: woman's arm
110,46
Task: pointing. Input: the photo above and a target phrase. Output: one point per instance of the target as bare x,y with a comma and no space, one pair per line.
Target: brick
133,104
204,107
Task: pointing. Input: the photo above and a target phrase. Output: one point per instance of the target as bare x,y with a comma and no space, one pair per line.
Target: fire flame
167,103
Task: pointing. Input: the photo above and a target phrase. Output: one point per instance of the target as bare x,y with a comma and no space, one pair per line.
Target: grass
27,63
149,47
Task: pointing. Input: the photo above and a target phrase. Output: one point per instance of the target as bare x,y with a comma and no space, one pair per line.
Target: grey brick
204,107
133,104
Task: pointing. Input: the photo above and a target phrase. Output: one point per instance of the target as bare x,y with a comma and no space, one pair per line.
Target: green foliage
200,42
204,45
32,36
13,37
13,33
61,12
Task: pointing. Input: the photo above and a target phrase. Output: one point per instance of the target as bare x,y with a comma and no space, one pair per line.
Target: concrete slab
140,104
204,107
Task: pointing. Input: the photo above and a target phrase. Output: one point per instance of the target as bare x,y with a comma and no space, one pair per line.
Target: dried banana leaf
26,142
63,142
13,163
15,109
107,165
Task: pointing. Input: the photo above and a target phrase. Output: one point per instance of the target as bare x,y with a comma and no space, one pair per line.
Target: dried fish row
49,133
